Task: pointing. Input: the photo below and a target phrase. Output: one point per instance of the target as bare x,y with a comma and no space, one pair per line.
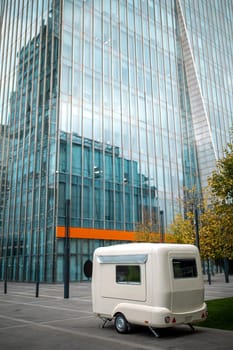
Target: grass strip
220,314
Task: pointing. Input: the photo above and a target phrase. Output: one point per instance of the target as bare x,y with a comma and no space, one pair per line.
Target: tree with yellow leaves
215,229
183,229
221,184
147,230
209,234
146,233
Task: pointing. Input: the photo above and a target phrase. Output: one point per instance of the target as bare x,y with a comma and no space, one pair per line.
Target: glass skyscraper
109,110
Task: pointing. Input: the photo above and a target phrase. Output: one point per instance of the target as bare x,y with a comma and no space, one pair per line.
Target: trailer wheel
121,324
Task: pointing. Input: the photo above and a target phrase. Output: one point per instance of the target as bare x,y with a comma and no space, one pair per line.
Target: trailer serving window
184,268
128,274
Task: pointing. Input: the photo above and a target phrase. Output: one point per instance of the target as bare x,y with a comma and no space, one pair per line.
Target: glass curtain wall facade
29,86
108,110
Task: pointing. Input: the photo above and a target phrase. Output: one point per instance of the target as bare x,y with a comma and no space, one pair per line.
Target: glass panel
128,274
184,268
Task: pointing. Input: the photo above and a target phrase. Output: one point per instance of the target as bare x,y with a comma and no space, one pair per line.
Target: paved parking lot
52,322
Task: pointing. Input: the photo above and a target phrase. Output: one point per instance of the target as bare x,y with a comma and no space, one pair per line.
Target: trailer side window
129,274
184,268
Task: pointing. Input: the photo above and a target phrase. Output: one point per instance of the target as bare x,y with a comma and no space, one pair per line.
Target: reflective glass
98,107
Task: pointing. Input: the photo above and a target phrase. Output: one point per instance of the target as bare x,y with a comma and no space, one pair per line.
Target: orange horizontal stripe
115,235
93,233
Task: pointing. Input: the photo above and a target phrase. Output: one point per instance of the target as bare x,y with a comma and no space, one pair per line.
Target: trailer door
187,283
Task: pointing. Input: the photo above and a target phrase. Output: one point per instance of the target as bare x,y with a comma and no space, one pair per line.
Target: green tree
184,226
213,227
221,185
145,233
209,234
215,214
183,229
146,230
221,181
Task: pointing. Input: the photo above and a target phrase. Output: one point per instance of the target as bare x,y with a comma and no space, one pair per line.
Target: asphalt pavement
51,322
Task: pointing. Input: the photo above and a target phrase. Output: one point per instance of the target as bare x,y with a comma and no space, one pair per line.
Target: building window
128,274
184,268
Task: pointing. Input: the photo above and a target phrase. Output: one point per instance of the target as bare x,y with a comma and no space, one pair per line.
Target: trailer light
204,314
167,319
173,320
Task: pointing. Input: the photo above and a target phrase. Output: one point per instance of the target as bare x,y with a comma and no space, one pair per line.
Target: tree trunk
226,269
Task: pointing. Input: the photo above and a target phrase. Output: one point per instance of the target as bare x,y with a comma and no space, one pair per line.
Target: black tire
121,324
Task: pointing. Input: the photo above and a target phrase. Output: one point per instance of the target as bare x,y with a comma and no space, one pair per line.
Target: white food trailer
156,285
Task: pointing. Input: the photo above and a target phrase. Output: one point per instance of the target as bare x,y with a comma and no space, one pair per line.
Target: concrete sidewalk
51,322
218,287
216,290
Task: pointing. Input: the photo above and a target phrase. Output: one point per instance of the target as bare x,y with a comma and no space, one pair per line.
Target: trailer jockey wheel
121,324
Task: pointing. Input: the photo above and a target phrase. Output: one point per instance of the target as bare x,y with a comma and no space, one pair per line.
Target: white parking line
82,333
24,322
